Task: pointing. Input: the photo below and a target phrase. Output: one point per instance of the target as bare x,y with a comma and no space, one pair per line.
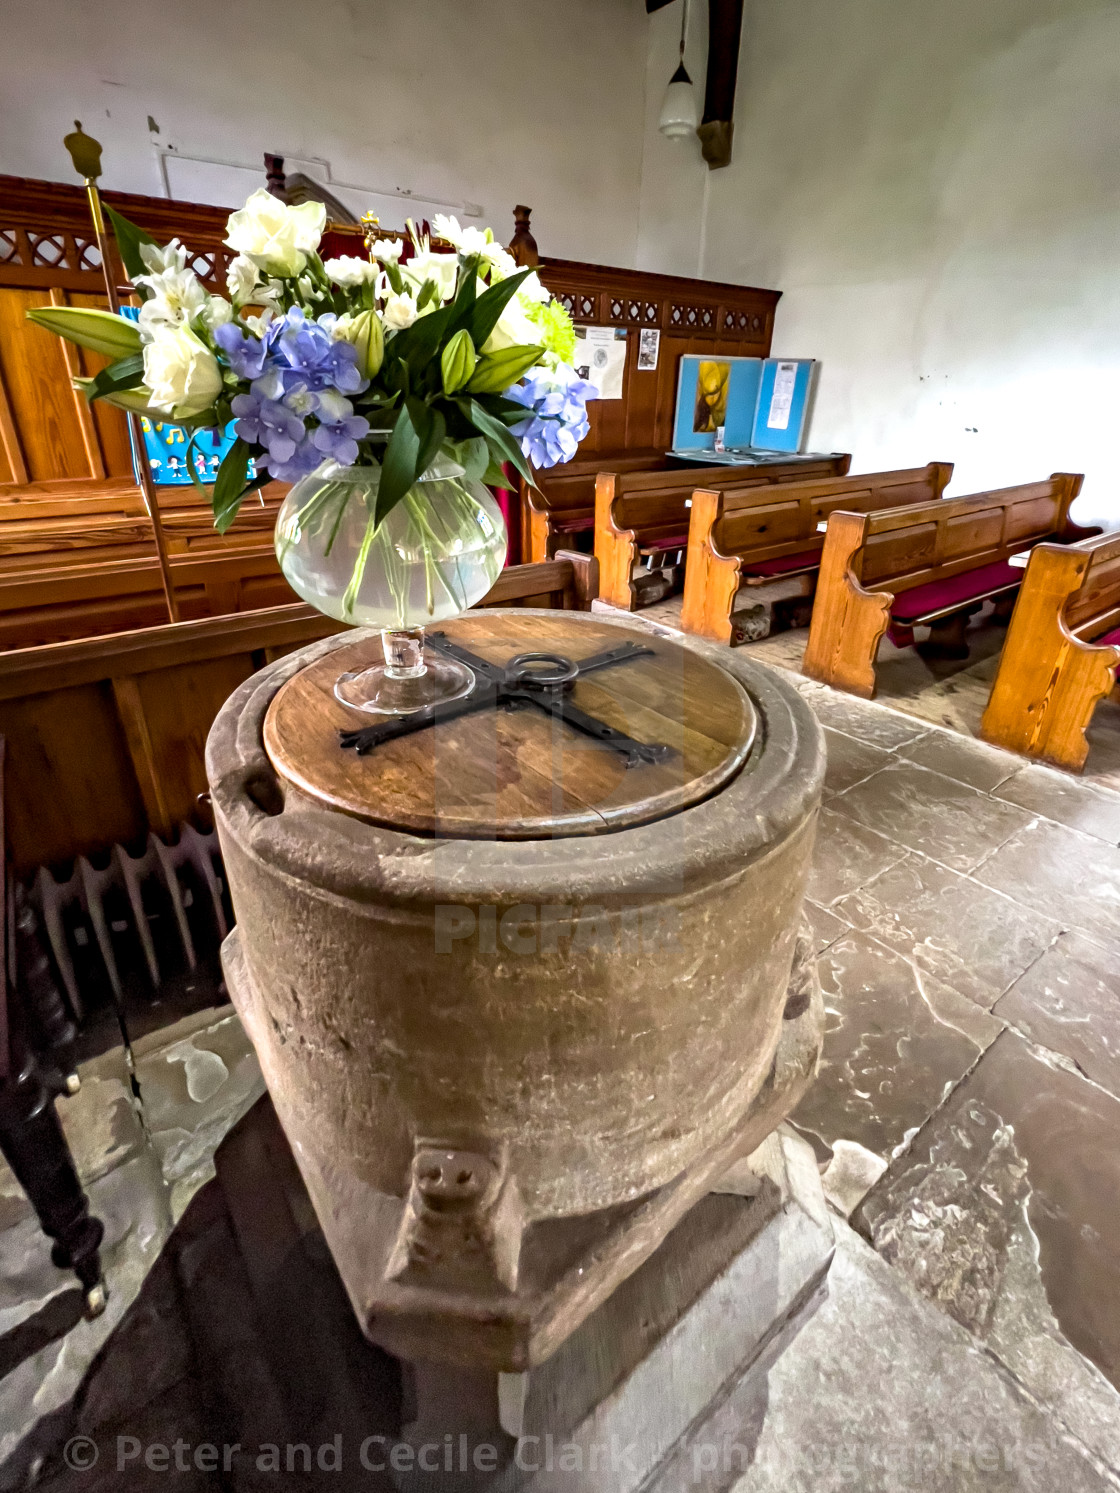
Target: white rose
217,311
242,277
349,271
177,296
400,312
276,237
181,372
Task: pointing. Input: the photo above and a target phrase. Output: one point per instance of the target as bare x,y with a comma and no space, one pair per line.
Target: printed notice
649,345
781,402
600,357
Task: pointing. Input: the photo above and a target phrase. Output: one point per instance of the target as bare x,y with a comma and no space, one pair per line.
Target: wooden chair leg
34,1146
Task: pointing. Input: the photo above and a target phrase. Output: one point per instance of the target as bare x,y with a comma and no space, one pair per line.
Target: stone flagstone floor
966,1120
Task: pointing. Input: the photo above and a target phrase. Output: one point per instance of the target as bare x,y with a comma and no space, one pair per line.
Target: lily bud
101,331
457,361
498,370
364,330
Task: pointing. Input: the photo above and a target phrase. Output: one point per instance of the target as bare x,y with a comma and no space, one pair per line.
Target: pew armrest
1049,681
848,621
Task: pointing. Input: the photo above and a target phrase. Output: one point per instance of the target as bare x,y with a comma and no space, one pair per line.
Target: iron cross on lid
541,680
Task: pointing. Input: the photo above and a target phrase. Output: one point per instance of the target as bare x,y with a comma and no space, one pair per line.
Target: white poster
781,401
601,357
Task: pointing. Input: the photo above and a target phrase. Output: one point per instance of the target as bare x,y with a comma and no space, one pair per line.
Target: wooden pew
645,515
1062,652
563,502
106,734
756,548
930,564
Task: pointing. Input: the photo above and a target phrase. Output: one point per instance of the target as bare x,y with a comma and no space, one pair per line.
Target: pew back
635,512
744,535
911,546
869,559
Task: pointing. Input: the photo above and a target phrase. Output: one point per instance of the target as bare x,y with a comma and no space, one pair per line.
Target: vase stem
404,652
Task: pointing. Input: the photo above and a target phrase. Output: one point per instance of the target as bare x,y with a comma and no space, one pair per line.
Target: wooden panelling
106,735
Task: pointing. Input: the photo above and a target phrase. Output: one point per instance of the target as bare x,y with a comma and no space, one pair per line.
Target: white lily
241,278
171,257
177,296
388,250
442,268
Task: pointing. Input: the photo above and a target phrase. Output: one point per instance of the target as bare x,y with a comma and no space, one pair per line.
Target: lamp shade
679,116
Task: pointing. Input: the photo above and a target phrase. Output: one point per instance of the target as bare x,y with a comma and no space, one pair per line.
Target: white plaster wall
935,187
455,100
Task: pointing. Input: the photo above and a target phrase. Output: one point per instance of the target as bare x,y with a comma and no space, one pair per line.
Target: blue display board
783,403
714,393
166,445
755,404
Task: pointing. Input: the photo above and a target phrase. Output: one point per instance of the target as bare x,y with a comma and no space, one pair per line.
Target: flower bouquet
389,390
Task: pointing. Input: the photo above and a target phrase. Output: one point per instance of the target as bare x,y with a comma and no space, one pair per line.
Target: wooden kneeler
1061,655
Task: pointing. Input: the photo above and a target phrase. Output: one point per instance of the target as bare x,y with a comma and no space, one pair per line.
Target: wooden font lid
499,774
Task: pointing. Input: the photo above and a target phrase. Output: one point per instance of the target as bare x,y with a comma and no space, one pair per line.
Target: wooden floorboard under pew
749,550
645,516
1062,652
106,734
927,565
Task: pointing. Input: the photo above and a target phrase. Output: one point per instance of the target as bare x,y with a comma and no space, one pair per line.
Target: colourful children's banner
166,445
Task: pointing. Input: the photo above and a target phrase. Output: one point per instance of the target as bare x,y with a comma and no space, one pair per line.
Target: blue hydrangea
558,422
295,407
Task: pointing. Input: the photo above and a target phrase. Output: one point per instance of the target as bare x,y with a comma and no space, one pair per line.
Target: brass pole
86,155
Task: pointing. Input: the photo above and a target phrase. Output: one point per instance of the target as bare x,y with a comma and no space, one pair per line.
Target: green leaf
398,468
473,456
101,331
129,238
483,315
431,439
125,373
229,486
497,436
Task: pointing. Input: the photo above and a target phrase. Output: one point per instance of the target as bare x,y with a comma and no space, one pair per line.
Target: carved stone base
453,1275
633,1386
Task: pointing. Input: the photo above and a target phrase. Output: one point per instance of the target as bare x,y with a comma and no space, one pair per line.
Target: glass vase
436,553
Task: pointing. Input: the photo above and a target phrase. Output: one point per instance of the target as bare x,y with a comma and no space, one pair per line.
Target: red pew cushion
573,525
674,542
803,560
957,590
1112,637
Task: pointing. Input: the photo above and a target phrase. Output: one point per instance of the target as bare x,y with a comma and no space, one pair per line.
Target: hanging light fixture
679,115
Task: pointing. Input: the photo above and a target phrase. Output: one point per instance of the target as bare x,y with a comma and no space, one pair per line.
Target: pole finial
85,152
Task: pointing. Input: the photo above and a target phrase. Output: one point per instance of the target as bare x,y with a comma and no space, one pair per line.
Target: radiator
95,908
